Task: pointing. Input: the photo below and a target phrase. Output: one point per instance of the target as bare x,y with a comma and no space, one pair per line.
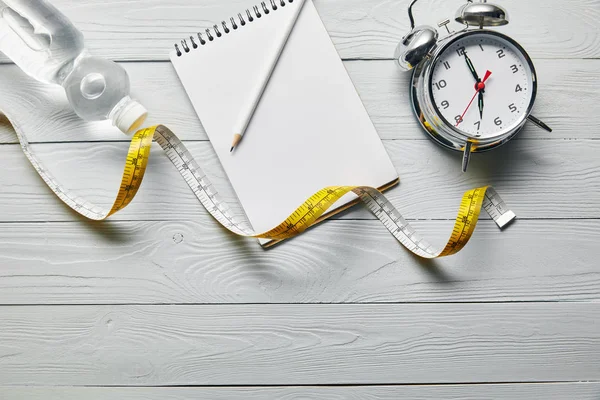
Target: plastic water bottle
47,46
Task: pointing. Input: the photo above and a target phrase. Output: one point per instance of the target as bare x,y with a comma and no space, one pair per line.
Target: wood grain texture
339,262
538,179
299,344
147,29
547,391
567,101
515,306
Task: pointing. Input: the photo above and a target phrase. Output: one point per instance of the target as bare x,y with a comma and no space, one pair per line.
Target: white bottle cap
130,117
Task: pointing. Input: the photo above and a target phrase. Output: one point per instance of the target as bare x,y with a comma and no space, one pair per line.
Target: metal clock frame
432,120
420,49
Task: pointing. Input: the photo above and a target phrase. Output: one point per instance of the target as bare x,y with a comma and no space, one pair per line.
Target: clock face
483,85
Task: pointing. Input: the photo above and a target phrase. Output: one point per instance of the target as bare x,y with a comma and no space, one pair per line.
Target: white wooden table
160,303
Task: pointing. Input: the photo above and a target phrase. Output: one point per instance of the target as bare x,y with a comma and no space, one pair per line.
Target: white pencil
257,92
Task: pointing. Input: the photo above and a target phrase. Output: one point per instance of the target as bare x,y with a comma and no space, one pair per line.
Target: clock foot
466,156
539,123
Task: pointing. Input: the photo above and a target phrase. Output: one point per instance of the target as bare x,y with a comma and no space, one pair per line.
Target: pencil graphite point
236,139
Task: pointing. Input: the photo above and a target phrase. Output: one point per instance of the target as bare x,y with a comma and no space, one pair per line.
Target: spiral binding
216,32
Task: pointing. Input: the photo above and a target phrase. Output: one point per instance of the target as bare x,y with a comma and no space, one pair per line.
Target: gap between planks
323,304
318,385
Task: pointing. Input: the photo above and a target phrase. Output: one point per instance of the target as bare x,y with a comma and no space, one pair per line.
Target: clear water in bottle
47,46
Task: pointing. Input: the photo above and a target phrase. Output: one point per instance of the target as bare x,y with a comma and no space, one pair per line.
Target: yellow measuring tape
302,218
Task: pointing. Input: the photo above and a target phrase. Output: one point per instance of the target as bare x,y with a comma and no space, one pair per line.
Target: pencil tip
236,140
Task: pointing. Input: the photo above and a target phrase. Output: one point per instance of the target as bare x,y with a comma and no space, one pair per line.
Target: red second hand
479,86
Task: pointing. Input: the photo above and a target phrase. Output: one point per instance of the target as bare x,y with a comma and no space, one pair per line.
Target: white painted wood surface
553,391
161,295
367,29
568,91
339,262
300,344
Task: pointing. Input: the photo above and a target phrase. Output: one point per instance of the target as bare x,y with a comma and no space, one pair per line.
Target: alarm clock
472,90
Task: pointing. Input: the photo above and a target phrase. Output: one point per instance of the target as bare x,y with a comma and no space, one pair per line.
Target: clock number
498,121
514,68
446,65
441,84
445,104
501,53
518,88
512,107
458,119
478,123
461,51
481,47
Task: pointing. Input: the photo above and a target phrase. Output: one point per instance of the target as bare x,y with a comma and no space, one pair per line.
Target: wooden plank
544,391
146,30
567,91
538,179
339,262
299,344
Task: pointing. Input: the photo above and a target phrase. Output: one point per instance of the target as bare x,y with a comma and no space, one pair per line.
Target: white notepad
310,129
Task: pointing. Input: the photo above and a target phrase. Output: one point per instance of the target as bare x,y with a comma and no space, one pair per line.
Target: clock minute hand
479,87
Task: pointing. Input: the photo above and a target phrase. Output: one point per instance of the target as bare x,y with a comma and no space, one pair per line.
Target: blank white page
310,129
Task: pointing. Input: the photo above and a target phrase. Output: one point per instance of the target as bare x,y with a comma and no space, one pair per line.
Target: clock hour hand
472,68
481,104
